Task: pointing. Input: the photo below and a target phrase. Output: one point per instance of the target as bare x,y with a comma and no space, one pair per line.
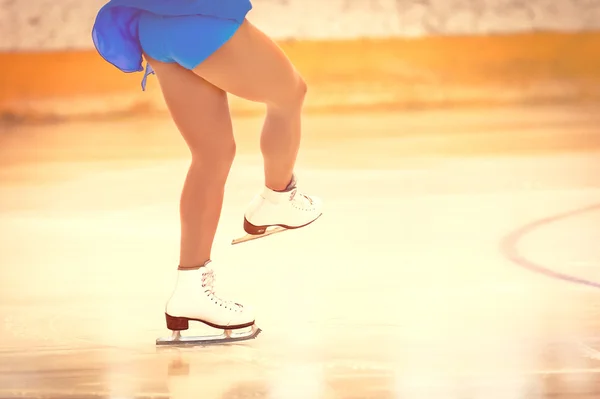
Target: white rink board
33,25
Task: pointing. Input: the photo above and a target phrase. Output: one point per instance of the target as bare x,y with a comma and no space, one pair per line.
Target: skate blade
251,237
229,336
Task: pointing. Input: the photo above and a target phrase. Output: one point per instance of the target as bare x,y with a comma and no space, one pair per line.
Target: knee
227,154
217,160
301,89
293,95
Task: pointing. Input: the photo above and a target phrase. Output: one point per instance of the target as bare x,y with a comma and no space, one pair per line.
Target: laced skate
273,212
194,299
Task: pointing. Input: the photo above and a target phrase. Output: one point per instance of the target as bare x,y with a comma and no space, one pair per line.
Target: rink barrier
430,72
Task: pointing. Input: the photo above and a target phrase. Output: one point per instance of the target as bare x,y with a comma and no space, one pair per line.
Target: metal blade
250,237
176,339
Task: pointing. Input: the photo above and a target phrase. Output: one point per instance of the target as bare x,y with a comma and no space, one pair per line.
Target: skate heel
252,229
177,323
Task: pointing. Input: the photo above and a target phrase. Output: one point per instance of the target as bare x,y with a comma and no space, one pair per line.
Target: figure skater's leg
201,112
251,66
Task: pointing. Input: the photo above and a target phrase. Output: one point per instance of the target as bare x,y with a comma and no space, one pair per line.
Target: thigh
199,109
250,65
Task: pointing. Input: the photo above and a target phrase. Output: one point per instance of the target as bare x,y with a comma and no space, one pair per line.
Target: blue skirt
181,31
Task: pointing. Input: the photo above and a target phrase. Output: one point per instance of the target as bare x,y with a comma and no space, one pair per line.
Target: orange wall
342,74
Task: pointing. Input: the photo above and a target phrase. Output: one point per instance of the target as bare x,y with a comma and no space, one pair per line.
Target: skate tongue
208,279
292,184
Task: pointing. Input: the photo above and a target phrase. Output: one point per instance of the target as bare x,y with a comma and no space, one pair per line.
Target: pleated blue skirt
180,31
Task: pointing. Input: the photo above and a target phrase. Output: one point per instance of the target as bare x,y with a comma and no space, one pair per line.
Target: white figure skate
274,212
194,299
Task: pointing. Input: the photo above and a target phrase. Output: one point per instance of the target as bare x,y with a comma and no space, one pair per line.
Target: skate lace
295,195
208,283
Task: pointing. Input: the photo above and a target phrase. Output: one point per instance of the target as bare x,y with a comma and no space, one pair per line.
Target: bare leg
201,113
251,66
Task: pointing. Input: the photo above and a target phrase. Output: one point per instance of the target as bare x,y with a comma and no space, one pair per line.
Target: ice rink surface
441,267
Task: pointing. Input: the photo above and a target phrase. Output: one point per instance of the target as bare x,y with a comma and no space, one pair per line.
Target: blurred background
353,53
435,126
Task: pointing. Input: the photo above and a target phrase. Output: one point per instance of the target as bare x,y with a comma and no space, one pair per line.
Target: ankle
192,266
282,188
